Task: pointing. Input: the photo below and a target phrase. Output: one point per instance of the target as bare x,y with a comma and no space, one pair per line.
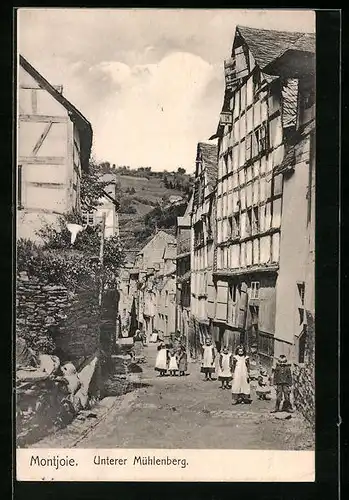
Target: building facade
295,301
202,247
183,294
252,262
53,147
149,289
108,206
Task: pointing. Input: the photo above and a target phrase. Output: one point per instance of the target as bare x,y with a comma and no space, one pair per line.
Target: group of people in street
172,360
233,372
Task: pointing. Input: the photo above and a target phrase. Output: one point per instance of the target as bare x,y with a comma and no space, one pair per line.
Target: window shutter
242,305
221,302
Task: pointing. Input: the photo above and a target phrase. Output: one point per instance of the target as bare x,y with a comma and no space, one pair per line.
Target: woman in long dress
138,344
225,368
182,361
161,363
173,365
207,366
241,390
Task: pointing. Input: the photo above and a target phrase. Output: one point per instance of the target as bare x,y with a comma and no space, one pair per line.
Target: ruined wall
46,311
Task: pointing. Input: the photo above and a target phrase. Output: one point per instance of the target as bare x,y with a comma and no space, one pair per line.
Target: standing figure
182,361
241,380
209,356
138,344
173,365
263,385
225,368
283,381
161,362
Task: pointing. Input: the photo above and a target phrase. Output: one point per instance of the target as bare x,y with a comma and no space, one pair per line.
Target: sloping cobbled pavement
182,412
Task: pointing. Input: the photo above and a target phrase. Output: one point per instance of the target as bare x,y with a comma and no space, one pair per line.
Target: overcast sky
150,81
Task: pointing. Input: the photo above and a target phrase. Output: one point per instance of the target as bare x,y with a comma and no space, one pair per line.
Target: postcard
165,233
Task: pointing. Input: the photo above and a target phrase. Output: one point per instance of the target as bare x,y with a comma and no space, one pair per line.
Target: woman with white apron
241,382
161,362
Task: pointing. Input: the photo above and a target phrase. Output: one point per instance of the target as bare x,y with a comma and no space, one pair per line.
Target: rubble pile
49,394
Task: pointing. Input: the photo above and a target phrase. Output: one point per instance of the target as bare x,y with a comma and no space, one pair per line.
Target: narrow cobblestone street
187,412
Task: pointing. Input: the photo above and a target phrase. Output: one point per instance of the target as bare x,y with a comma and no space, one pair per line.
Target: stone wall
52,319
304,376
40,310
304,390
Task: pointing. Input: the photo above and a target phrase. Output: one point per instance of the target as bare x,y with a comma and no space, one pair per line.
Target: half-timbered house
53,147
259,114
203,224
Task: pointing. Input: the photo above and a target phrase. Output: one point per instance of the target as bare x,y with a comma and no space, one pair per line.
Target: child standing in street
173,365
161,362
263,385
241,380
208,358
225,367
283,381
182,361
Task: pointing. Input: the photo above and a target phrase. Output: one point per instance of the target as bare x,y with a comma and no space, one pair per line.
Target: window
249,222
226,165
19,188
236,105
235,226
256,192
88,218
231,227
256,81
255,220
242,177
261,139
249,173
248,147
249,194
255,290
256,251
231,303
302,345
277,185
276,221
230,161
301,291
249,120
235,156
198,234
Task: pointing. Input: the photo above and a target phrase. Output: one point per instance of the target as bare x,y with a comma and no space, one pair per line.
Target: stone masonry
51,318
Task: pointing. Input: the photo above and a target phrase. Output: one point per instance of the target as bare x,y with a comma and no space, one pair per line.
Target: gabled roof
266,45
305,43
297,60
160,234
82,124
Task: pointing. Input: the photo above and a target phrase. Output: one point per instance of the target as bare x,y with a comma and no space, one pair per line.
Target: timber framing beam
43,118
42,160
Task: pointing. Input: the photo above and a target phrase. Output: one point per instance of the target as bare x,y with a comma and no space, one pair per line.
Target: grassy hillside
148,201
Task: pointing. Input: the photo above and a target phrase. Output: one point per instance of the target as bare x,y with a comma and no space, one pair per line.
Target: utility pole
101,256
